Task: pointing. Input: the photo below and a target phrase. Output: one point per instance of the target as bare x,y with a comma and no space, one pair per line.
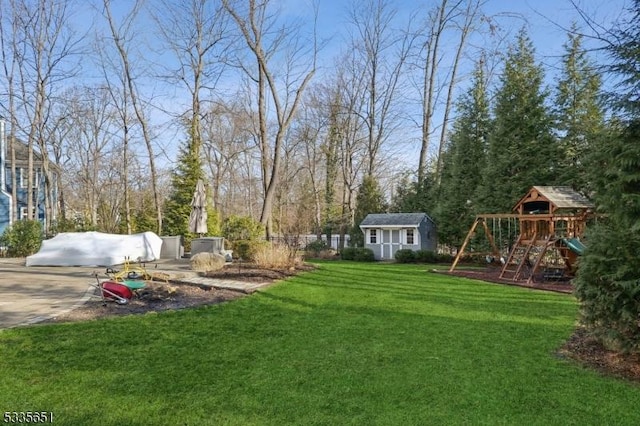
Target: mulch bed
586,350
492,274
250,273
161,296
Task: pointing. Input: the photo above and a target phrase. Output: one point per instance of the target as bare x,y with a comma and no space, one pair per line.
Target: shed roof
562,197
393,219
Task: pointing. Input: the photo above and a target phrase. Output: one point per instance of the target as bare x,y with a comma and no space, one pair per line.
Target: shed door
390,243
386,244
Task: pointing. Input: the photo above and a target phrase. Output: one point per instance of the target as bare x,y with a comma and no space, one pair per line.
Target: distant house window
23,177
23,213
373,236
410,236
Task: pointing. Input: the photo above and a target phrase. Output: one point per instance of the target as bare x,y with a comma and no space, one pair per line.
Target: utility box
207,245
172,247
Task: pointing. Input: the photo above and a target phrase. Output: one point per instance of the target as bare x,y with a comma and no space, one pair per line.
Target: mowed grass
348,343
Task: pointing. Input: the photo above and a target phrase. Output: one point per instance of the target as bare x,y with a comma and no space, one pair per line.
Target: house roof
393,219
562,197
22,152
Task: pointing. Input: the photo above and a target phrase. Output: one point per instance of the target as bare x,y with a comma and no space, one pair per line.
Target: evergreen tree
579,113
370,199
183,182
464,162
608,279
414,197
522,151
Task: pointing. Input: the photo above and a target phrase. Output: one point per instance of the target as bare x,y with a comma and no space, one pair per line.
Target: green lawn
347,344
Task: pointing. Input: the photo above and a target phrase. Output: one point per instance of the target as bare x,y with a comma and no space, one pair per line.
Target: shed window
373,236
410,236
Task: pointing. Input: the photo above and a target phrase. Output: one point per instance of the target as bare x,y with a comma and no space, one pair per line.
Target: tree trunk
138,112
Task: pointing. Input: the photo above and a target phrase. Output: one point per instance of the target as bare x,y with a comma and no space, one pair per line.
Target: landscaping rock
203,262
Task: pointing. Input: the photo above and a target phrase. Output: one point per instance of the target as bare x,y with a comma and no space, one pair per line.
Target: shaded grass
346,344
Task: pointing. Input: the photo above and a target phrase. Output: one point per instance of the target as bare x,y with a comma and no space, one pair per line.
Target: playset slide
575,245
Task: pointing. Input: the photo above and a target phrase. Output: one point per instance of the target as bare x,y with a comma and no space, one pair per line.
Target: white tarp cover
96,249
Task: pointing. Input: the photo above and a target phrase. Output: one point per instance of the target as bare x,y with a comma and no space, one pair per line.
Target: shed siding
391,233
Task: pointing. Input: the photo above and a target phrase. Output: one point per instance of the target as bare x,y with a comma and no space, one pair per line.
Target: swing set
549,223
500,232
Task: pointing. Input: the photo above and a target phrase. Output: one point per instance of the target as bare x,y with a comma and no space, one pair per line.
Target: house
387,233
7,203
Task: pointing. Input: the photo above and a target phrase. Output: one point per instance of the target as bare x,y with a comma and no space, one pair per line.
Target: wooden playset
549,222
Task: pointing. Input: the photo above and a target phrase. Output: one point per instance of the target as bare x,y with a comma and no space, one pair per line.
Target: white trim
389,226
22,182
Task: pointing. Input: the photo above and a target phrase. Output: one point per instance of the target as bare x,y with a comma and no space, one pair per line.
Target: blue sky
545,21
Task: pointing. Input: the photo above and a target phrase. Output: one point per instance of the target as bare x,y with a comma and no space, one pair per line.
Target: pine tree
579,113
183,183
522,151
464,162
414,196
370,199
608,279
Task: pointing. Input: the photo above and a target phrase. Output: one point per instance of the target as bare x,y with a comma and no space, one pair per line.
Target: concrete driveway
34,294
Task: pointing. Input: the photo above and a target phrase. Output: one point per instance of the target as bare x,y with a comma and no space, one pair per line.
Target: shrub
203,262
444,258
23,238
329,254
275,256
364,255
608,288
247,249
348,253
237,228
359,254
426,256
405,256
317,246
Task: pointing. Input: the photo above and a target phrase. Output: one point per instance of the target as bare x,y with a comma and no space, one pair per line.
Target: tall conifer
464,162
579,113
522,151
608,280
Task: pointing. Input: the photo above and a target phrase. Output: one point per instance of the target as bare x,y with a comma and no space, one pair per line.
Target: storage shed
386,233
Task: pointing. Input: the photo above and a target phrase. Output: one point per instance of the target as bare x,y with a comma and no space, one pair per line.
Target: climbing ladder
518,260
519,265
549,243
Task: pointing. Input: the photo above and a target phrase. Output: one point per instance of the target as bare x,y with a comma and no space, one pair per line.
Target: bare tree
227,150
469,15
351,134
267,44
9,46
194,31
457,15
45,46
381,53
310,133
90,152
122,39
